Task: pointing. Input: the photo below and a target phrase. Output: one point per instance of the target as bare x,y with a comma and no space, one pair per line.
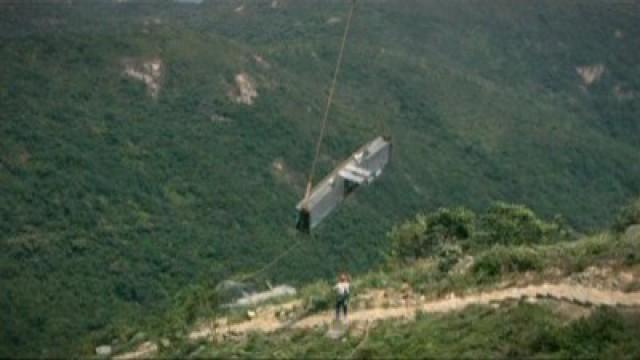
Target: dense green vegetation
627,216
435,273
519,330
112,201
502,224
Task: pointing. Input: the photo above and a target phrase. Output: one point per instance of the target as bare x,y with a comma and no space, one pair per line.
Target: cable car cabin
362,168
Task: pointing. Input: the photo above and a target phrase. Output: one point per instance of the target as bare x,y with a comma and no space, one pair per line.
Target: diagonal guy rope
271,264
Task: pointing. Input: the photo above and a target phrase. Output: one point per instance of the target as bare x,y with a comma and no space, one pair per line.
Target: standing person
342,296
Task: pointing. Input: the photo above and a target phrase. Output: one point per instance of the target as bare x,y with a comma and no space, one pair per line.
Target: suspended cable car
361,168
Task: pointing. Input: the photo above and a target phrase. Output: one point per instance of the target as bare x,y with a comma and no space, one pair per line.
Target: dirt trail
145,350
563,292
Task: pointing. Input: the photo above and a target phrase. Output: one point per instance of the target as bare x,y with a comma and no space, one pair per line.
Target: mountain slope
545,299
115,194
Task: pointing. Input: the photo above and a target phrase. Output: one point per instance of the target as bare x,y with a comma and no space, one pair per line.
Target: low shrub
424,235
317,297
448,256
502,260
508,224
627,216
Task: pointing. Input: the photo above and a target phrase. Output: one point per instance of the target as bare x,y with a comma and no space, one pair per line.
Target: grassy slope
111,201
520,330
515,329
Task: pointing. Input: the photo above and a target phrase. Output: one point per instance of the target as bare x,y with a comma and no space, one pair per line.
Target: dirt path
145,350
563,292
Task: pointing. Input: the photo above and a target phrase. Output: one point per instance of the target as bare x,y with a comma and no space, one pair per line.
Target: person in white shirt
342,295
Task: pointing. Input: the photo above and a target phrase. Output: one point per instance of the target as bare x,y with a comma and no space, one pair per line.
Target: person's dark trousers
341,305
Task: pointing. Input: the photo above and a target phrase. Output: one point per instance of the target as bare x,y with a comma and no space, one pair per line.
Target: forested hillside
457,284
145,146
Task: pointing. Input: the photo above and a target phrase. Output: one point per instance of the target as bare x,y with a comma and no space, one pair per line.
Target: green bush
502,224
424,235
409,240
627,216
607,331
457,223
509,224
317,297
558,230
190,304
502,260
448,256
